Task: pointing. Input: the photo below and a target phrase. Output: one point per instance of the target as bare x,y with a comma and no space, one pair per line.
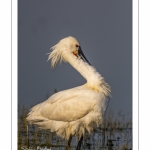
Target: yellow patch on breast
95,89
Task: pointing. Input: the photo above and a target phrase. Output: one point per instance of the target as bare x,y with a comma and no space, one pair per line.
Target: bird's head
65,47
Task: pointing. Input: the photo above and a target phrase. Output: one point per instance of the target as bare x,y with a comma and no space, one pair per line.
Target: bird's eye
77,45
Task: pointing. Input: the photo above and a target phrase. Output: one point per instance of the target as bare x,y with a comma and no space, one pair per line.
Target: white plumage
74,111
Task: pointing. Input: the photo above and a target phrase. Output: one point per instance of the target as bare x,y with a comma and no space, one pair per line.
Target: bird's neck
94,80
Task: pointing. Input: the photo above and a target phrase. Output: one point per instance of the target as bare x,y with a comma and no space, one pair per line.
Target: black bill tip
81,54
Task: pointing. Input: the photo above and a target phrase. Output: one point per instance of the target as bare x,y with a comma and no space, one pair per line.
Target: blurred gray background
104,30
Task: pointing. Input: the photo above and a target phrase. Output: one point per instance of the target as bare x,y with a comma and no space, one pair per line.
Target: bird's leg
79,143
69,142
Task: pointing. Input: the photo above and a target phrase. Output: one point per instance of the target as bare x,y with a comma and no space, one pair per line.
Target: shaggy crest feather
55,55
58,50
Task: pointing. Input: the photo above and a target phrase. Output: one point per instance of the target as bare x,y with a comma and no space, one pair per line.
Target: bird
75,111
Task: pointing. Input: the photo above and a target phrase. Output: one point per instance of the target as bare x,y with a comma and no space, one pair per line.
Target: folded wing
66,106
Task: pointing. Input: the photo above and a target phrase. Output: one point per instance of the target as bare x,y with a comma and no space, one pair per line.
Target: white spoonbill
78,110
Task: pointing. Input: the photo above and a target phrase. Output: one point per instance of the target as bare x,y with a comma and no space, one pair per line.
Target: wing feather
64,106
